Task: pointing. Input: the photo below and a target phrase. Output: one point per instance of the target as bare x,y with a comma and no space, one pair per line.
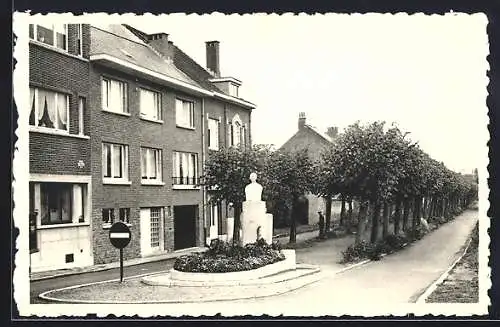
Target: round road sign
119,235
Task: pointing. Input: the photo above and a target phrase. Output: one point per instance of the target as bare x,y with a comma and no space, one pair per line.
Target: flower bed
224,257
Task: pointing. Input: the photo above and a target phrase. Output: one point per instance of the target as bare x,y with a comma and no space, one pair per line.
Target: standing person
321,224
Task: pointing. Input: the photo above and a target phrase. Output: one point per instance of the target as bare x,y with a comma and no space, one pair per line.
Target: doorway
185,226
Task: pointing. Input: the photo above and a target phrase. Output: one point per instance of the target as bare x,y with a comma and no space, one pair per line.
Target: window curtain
117,161
47,108
185,168
152,163
149,104
33,104
62,111
116,96
60,31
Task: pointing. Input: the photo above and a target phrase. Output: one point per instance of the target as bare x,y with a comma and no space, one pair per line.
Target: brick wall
50,69
135,132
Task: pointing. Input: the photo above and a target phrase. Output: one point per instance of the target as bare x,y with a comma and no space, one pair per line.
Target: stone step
302,270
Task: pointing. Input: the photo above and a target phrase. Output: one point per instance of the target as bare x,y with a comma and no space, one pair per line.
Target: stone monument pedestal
256,223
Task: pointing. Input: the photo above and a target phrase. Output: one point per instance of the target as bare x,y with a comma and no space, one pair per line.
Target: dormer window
233,90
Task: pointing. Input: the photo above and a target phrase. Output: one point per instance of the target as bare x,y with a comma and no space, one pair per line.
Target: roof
187,65
117,41
323,135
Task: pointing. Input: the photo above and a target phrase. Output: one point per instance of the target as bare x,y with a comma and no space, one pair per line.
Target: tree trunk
293,225
397,217
237,223
363,206
416,218
328,209
375,220
342,212
406,212
385,224
424,211
349,212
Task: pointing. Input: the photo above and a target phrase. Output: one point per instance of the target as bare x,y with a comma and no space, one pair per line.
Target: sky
426,73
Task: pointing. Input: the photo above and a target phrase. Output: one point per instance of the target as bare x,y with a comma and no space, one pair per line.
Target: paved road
398,278
41,286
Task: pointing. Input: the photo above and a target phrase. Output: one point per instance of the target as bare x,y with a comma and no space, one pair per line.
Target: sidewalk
303,235
35,276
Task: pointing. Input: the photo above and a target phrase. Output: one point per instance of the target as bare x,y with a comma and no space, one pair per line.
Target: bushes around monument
223,257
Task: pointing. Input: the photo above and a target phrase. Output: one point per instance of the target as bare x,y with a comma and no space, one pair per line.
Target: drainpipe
250,128
203,190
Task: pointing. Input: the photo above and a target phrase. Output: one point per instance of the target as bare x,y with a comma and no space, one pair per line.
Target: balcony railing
185,181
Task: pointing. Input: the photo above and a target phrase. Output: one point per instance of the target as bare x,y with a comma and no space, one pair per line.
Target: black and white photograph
302,165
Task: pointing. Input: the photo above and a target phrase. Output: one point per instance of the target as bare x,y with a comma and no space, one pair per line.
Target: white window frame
145,114
35,30
37,110
127,218
79,216
179,115
111,220
213,133
191,160
106,81
158,166
124,179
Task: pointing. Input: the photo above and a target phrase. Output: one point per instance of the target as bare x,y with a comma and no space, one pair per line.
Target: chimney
302,120
213,57
160,42
332,132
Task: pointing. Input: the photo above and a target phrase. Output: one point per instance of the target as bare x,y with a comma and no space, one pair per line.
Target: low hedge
225,257
390,244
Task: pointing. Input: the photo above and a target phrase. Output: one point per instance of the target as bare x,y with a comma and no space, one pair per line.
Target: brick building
59,146
155,113
227,117
308,137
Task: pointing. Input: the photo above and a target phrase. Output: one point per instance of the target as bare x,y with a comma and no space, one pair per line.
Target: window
79,40
58,203
49,109
233,89
114,162
150,104
155,227
151,164
184,113
114,96
108,216
213,134
237,134
185,168
125,215
55,35
81,114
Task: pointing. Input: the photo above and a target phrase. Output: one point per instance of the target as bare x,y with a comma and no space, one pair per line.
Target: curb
421,299
46,297
317,274
114,265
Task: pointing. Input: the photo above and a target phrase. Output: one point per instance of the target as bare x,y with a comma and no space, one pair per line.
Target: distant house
308,137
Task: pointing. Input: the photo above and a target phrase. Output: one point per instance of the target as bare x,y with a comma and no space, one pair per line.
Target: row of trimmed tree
383,170
376,168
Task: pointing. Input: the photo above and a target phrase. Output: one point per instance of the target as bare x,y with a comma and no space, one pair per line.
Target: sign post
119,236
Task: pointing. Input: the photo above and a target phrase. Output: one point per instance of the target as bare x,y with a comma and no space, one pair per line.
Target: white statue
253,191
